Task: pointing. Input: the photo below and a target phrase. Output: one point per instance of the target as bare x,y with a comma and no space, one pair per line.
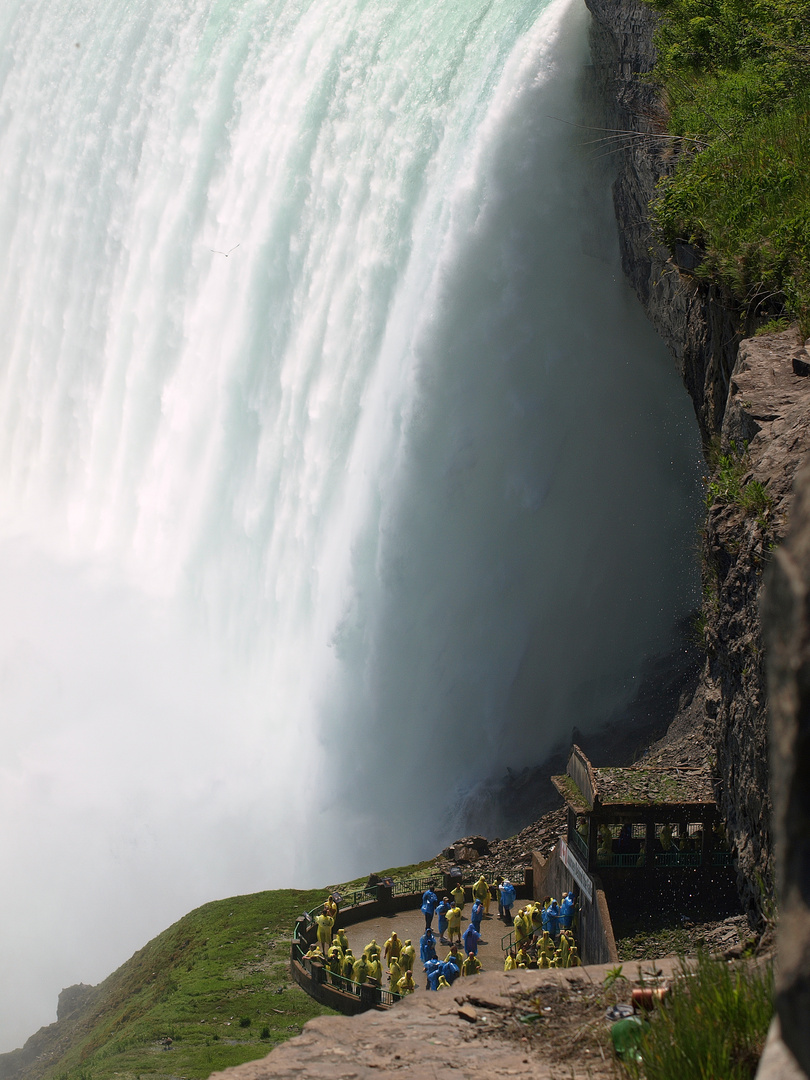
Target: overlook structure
641,843
641,817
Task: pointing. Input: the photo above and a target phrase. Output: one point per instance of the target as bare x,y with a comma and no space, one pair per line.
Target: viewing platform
641,817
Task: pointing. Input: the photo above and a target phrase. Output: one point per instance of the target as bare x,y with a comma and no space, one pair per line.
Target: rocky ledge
751,398
538,1024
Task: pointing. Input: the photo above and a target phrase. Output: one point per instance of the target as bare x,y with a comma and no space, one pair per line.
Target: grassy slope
737,79
198,982
195,982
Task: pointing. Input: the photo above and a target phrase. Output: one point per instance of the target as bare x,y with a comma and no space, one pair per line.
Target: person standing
459,896
441,912
480,891
498,894
477,914
508,897
392,947
407,956
325,923
471,965
471,939
454,924
430,902
427,946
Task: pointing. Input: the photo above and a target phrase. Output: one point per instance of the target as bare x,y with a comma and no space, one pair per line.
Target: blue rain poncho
441,911
429,902
433,970
553,913
427,947
476,915
471,939
450,971
508,895
567,911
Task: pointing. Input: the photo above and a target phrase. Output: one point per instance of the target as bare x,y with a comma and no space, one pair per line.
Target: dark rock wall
746,393
786,619
697,325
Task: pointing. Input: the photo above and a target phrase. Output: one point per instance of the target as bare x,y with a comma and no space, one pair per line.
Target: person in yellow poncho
395,973
471,965
480,891
325,923
374,972
454,923
392,947
406,955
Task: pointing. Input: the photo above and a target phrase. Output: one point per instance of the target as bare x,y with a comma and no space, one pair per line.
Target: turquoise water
338,469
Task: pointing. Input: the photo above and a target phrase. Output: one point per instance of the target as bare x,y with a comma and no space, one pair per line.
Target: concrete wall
597,944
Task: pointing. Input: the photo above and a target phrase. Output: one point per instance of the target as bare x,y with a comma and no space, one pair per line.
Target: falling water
338,469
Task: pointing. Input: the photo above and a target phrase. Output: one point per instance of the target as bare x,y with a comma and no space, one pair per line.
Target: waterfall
338,468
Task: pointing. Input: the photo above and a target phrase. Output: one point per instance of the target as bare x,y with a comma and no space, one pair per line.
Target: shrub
736,75
713,1024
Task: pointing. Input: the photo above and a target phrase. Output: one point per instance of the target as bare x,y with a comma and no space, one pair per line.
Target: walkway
411,924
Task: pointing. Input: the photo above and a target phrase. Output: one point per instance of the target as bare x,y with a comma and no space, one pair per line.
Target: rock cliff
751,400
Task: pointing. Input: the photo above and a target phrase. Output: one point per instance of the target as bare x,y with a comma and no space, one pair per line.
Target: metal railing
676,858
508,940
369,990
722,858
406,886
578,844
358,897
638,859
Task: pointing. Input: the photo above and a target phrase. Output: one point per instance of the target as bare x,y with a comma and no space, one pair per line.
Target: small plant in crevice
728,485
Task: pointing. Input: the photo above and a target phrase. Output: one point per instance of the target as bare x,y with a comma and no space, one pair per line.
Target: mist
301,548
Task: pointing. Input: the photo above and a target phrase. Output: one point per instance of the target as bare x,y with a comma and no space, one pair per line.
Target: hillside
216,983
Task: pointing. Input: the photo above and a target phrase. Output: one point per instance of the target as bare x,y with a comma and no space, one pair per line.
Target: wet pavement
411,924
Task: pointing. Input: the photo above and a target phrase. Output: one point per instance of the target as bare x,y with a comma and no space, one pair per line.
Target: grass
216,983
728,483
736,78
713,1025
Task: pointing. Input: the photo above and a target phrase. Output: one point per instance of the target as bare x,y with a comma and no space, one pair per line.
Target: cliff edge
752,401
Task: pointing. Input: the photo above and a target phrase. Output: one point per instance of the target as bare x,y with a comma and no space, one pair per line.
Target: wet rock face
73,998
750,392
700,331
786,625
768,410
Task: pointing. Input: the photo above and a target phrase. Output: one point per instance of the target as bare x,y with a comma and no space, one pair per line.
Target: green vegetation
729,485
737,79
217,984
208,983
713,1024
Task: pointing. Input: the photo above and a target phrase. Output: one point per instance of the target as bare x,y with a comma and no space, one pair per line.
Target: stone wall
597,944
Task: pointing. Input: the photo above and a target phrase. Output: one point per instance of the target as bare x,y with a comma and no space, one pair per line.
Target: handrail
354,899
579,843
414,885
404,887
349,986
